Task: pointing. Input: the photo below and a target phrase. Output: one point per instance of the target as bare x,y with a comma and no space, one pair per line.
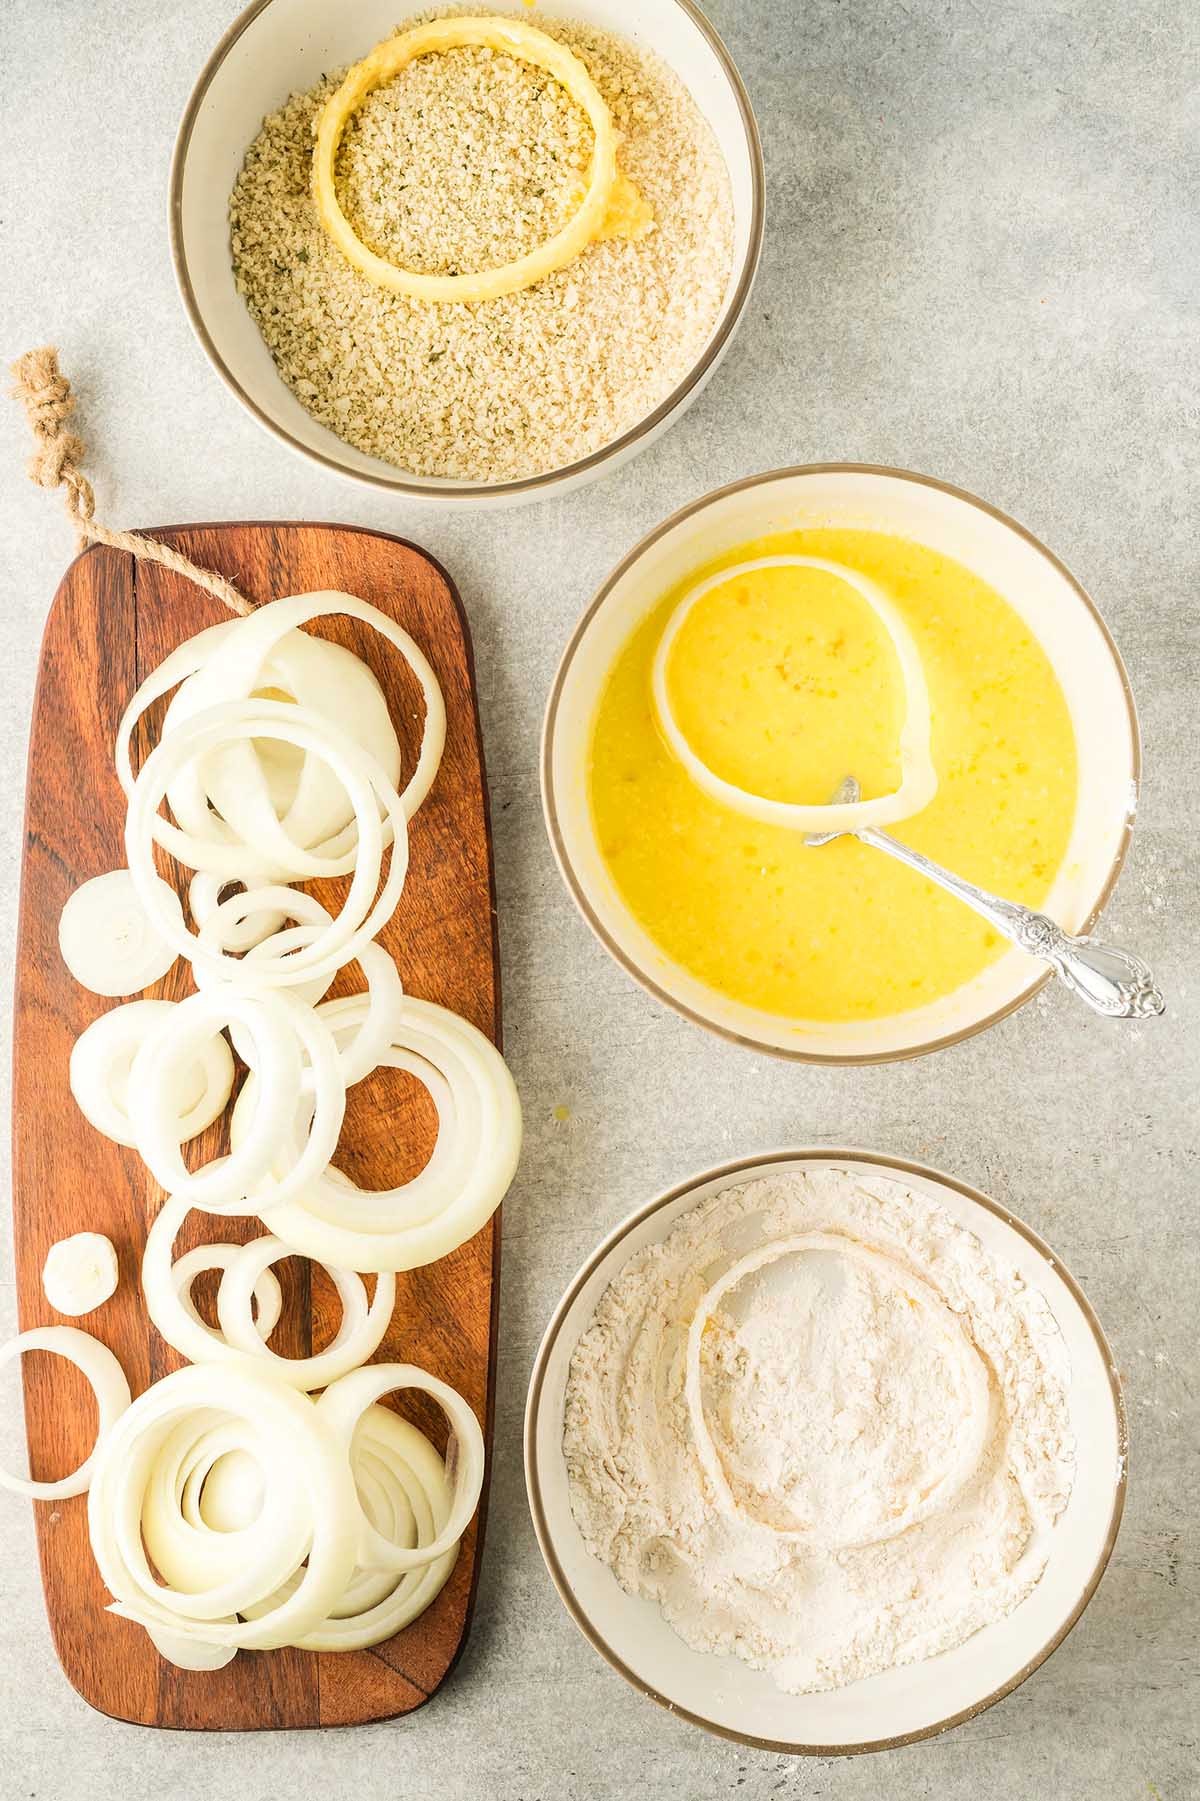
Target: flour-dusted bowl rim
919,1700
278,46
1041,589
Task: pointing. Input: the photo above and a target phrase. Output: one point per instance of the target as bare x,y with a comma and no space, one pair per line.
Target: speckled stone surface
981,262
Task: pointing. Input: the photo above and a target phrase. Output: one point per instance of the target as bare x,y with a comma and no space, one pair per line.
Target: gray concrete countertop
981,262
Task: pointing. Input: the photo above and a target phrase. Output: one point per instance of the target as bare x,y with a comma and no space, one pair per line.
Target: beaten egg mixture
784,681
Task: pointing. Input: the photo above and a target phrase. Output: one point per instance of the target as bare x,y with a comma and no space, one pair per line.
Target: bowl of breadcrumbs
465,161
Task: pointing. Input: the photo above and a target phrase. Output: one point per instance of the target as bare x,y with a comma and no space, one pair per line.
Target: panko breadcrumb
465,161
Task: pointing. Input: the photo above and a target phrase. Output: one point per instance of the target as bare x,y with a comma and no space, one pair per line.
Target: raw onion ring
108,1384
268,1296
343,1406
359,1335
102,1058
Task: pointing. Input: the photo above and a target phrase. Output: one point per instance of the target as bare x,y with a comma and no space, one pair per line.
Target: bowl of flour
825,1451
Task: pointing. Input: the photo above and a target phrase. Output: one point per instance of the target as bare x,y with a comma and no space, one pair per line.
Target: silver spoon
1113,981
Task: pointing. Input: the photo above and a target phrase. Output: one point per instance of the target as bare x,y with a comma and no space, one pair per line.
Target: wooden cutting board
112,621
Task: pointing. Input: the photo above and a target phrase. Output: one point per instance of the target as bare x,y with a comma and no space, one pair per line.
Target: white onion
108,1384
110,939
343,1406
308,1514
279,1029
80,1273
227,1509
458,1190
102,1058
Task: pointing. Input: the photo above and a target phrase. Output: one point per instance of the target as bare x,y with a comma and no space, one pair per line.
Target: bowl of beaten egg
782,680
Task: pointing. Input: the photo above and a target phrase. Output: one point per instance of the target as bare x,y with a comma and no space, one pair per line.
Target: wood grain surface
111,622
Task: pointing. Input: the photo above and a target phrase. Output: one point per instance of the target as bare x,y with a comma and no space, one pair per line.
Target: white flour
891,1433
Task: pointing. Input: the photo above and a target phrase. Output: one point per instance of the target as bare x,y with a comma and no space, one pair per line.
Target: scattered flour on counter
835,1400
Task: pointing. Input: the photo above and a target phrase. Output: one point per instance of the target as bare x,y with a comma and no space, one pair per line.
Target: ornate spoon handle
1115,982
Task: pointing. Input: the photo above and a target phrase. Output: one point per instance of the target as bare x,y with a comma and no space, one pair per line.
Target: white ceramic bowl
278,47
1034,582
882,1712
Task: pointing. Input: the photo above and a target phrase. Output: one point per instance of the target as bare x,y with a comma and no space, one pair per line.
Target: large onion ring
108,1384
529,45
918,783
301,1458
343,1406
969,1368
455,1194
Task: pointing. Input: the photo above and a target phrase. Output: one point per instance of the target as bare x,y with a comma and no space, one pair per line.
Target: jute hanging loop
46,394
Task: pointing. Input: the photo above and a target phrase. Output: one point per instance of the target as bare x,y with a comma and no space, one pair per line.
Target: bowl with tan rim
280,47
1047,598
912,1701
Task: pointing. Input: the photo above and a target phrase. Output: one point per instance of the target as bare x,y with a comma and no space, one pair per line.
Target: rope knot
41,385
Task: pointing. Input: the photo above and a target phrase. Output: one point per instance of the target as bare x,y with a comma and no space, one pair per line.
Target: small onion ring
108,1384
359,1335
279,1028
110,937
102,1058
268,1296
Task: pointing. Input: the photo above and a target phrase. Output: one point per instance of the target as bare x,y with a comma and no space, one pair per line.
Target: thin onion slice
80,1273
110,939
306,1475
919,781
267,1296
102,1058
969,1369
343,1406
108,1384
447,1203
281,1032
